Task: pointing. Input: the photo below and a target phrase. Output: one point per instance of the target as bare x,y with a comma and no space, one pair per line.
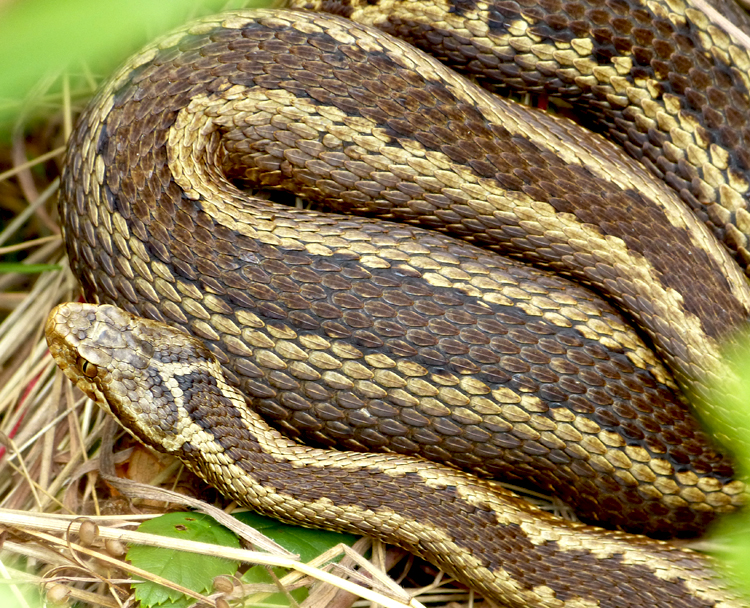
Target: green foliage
730,421
307,543
28,596
10,267
190,570
731,416
732,534
197,572
43,37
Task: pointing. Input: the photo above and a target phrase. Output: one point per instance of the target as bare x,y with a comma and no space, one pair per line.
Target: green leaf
303,541
11,267
729,419
307,543
190,570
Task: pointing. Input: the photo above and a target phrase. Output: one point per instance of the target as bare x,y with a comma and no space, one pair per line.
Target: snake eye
88,369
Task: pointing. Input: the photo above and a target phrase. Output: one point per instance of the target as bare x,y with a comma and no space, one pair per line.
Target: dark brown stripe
712,94
570,574
428,111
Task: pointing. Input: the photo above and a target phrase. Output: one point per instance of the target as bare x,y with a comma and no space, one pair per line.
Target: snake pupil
88,369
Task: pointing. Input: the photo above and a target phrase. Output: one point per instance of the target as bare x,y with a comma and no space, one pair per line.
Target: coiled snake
368,335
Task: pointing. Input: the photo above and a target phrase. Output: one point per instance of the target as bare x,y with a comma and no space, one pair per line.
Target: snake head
130,366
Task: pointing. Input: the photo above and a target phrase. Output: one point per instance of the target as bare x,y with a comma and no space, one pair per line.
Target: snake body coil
168,390
369,335
668,80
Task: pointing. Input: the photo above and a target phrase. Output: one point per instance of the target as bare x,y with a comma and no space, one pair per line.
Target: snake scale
370,336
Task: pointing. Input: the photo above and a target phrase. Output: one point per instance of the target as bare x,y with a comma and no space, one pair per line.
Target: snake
358,335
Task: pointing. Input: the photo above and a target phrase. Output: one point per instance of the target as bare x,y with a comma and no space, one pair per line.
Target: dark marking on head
214,412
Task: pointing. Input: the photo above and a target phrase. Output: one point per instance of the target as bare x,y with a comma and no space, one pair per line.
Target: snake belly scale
363,334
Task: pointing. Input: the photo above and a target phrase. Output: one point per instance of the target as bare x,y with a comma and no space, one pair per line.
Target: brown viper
168,390
368,335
